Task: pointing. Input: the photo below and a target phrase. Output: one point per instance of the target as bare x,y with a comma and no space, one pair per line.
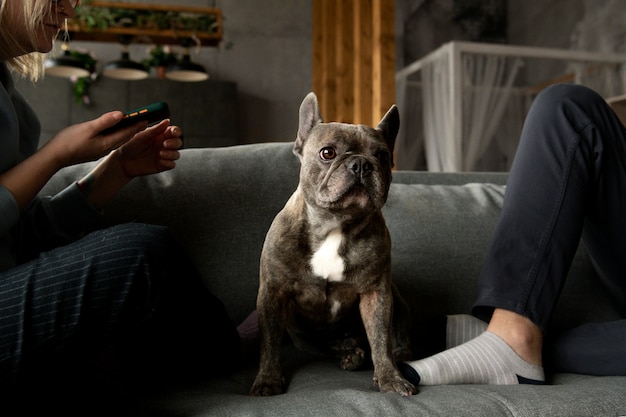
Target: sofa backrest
219,203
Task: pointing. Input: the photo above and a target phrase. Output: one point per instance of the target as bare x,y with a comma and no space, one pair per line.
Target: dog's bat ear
309,118
389,126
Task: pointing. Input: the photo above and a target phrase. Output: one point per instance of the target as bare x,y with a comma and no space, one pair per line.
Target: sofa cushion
318,387
440,234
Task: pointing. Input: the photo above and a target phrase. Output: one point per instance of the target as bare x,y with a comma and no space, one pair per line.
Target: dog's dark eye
328,154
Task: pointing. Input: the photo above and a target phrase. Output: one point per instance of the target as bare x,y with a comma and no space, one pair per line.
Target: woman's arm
78,143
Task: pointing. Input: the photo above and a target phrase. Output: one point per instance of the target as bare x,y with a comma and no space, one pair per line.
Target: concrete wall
269,60
206,111
589,25
546,23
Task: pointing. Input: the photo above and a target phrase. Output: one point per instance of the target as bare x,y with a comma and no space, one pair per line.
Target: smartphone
153,113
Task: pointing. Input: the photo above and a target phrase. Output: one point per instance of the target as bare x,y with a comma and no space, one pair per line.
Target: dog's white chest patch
326,262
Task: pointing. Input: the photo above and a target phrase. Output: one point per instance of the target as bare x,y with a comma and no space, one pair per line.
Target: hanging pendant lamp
125,68
185,70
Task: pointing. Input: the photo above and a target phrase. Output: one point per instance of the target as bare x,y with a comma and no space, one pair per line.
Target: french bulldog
325,268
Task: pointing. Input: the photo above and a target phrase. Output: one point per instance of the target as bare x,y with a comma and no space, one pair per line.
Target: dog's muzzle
360,167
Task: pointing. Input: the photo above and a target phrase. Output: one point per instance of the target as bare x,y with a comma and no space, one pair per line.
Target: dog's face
344,167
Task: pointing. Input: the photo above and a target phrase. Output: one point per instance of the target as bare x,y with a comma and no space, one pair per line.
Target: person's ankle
520,333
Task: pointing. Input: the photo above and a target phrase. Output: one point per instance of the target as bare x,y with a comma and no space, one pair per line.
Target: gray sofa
219,203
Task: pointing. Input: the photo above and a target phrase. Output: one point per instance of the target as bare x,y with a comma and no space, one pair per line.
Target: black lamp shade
187,71
66,66
125,69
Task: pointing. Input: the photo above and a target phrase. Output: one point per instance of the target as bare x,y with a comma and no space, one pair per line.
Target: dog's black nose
360,167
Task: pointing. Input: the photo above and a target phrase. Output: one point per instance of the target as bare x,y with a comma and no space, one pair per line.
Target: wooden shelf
80,32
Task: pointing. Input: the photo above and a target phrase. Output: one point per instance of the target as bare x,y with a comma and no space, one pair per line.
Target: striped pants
127,290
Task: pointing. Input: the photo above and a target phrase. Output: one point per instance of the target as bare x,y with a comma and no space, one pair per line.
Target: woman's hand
151,151
90,140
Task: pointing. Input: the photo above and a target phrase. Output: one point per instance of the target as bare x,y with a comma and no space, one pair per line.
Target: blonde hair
30,64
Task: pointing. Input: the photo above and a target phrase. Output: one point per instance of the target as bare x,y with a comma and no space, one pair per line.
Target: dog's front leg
376,309
272,308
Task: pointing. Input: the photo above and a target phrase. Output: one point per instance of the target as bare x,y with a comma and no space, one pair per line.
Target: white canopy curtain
489,80
460,98
443,153
487,84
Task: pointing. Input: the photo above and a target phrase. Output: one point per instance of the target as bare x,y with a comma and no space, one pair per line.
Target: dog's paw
266,387
352,360
346,344
397,384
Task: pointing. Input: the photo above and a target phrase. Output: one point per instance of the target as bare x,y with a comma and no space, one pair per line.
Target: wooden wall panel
346,56
354,59
384,57
364,71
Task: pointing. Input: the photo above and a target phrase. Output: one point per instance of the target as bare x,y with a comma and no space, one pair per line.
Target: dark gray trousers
568,181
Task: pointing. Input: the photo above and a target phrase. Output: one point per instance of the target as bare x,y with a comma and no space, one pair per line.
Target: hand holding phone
153,113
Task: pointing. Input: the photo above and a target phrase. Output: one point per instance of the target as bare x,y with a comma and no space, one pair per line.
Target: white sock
461,328
486,359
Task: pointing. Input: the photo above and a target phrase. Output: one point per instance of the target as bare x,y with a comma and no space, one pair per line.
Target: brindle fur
333,315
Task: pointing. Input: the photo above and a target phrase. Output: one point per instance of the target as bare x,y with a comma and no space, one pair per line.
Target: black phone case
153,113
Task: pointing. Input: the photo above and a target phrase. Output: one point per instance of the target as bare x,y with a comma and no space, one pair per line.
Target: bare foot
521,334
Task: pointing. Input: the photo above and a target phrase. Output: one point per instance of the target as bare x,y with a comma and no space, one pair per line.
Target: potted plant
160,57
80,86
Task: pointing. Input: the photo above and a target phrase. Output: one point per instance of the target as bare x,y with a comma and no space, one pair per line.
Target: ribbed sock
461,328
486,359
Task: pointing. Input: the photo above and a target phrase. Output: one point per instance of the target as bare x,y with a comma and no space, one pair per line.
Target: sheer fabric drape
487,86
441,148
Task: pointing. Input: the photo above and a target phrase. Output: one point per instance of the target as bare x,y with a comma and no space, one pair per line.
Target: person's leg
592,349
571,152
62,309
88,285
65,307
569,170
592,183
